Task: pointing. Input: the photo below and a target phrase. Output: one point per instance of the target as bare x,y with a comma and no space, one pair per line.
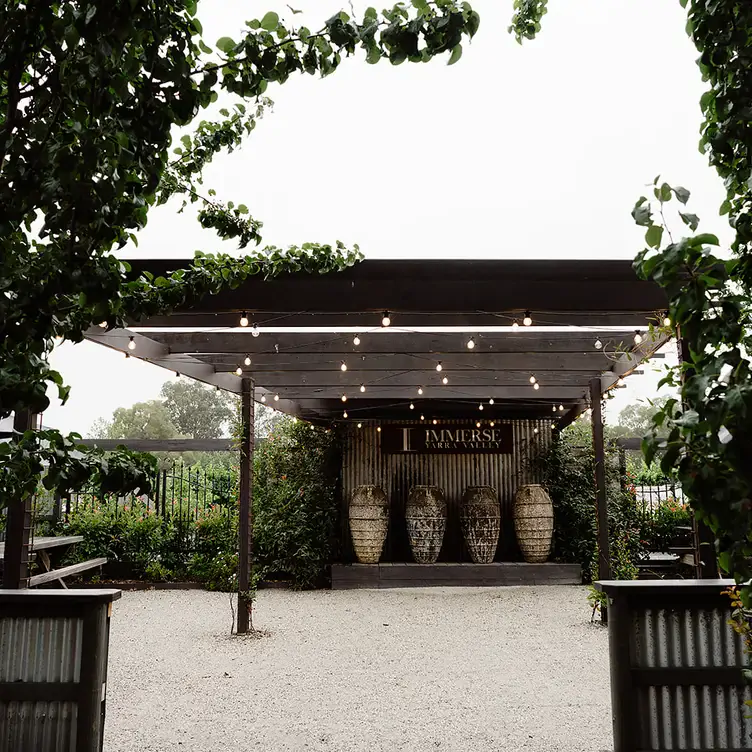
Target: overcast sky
533,151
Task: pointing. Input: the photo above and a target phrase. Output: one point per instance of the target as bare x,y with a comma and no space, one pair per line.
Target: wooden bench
41,547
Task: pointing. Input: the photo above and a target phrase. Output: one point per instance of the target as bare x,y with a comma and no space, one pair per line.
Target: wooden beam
303,394
163,445
245,523
601,501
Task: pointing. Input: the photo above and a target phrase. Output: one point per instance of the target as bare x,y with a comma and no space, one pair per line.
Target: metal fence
649,497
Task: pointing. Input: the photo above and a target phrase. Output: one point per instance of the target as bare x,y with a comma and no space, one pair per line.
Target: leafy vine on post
708,431
89,98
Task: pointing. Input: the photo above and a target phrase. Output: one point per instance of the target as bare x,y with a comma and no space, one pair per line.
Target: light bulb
344,414
412,407
598,344
491,401
477,424
263,398
103,324
445,380
356,340
620,381
666,320
515,325
420,390
360,425
344,398
255,332
554,408
131,344
239,371
480,407
378,428
535,430
244,319
492,423
536,386
528,320
471,344
637,338
422,417
435,421
561,408
276,398
439,367
385,320
362,387
343,366
532,379
247,360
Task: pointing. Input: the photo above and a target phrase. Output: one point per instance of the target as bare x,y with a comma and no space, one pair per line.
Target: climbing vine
708,429
91,95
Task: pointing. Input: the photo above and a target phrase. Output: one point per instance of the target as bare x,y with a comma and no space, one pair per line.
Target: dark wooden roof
304,368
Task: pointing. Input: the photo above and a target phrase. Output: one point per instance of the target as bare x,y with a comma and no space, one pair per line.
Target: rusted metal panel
364,464
690,717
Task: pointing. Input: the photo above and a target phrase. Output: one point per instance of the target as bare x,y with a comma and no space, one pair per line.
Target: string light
535,430
435,421
385,320
420,390
344,414
471,344
239,371
412,407
561,408
554,408
477,424
528,320
491,401
480,407
637,337
103,324
247,360
255,331
666,319
343,366
263,398
131,344
598,344
360,425
362,387
344,398
244,319
356,340
276,398
439,367
445,380
422,417
536,386
492,423
515,325
532,379
378,429
620,381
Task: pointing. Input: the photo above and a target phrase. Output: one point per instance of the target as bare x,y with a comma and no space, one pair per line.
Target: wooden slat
53,541
57,574
163,445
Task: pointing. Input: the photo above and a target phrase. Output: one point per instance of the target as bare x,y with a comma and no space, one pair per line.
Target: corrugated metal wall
690,717
39,650
364,464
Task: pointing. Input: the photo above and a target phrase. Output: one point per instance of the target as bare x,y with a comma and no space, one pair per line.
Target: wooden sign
447,439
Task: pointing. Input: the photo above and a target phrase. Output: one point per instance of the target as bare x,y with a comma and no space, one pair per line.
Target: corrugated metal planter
534,522
676,667
481,522
53,669
425,516
369,519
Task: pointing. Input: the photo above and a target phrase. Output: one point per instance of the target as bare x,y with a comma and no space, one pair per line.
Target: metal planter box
53,669
676,667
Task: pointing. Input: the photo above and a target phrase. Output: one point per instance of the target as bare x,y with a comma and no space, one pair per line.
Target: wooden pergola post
604,553
245,528
18,529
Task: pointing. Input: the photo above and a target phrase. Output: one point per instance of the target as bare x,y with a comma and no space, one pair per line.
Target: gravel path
452,669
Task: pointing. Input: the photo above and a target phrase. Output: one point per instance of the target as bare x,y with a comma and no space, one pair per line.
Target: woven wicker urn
533,522
481,522
425,515
369,518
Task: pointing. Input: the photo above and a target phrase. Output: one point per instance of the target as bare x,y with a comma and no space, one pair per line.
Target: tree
90,95
144,420
197,411
707,431
637,419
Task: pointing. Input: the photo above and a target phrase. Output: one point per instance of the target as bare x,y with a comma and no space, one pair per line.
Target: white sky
538,151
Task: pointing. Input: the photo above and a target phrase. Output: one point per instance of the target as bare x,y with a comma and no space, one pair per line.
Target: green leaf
682,194
456,54
654,235
204,47
225,44
704,238
641,213
691,220
270,21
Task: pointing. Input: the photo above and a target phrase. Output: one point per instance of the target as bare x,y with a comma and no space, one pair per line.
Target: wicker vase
369,518
481,522
425,515
533,522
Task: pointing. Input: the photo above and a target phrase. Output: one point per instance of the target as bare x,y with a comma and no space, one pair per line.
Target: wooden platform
349,576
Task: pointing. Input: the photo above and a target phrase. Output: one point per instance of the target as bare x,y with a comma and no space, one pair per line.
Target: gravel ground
453,669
